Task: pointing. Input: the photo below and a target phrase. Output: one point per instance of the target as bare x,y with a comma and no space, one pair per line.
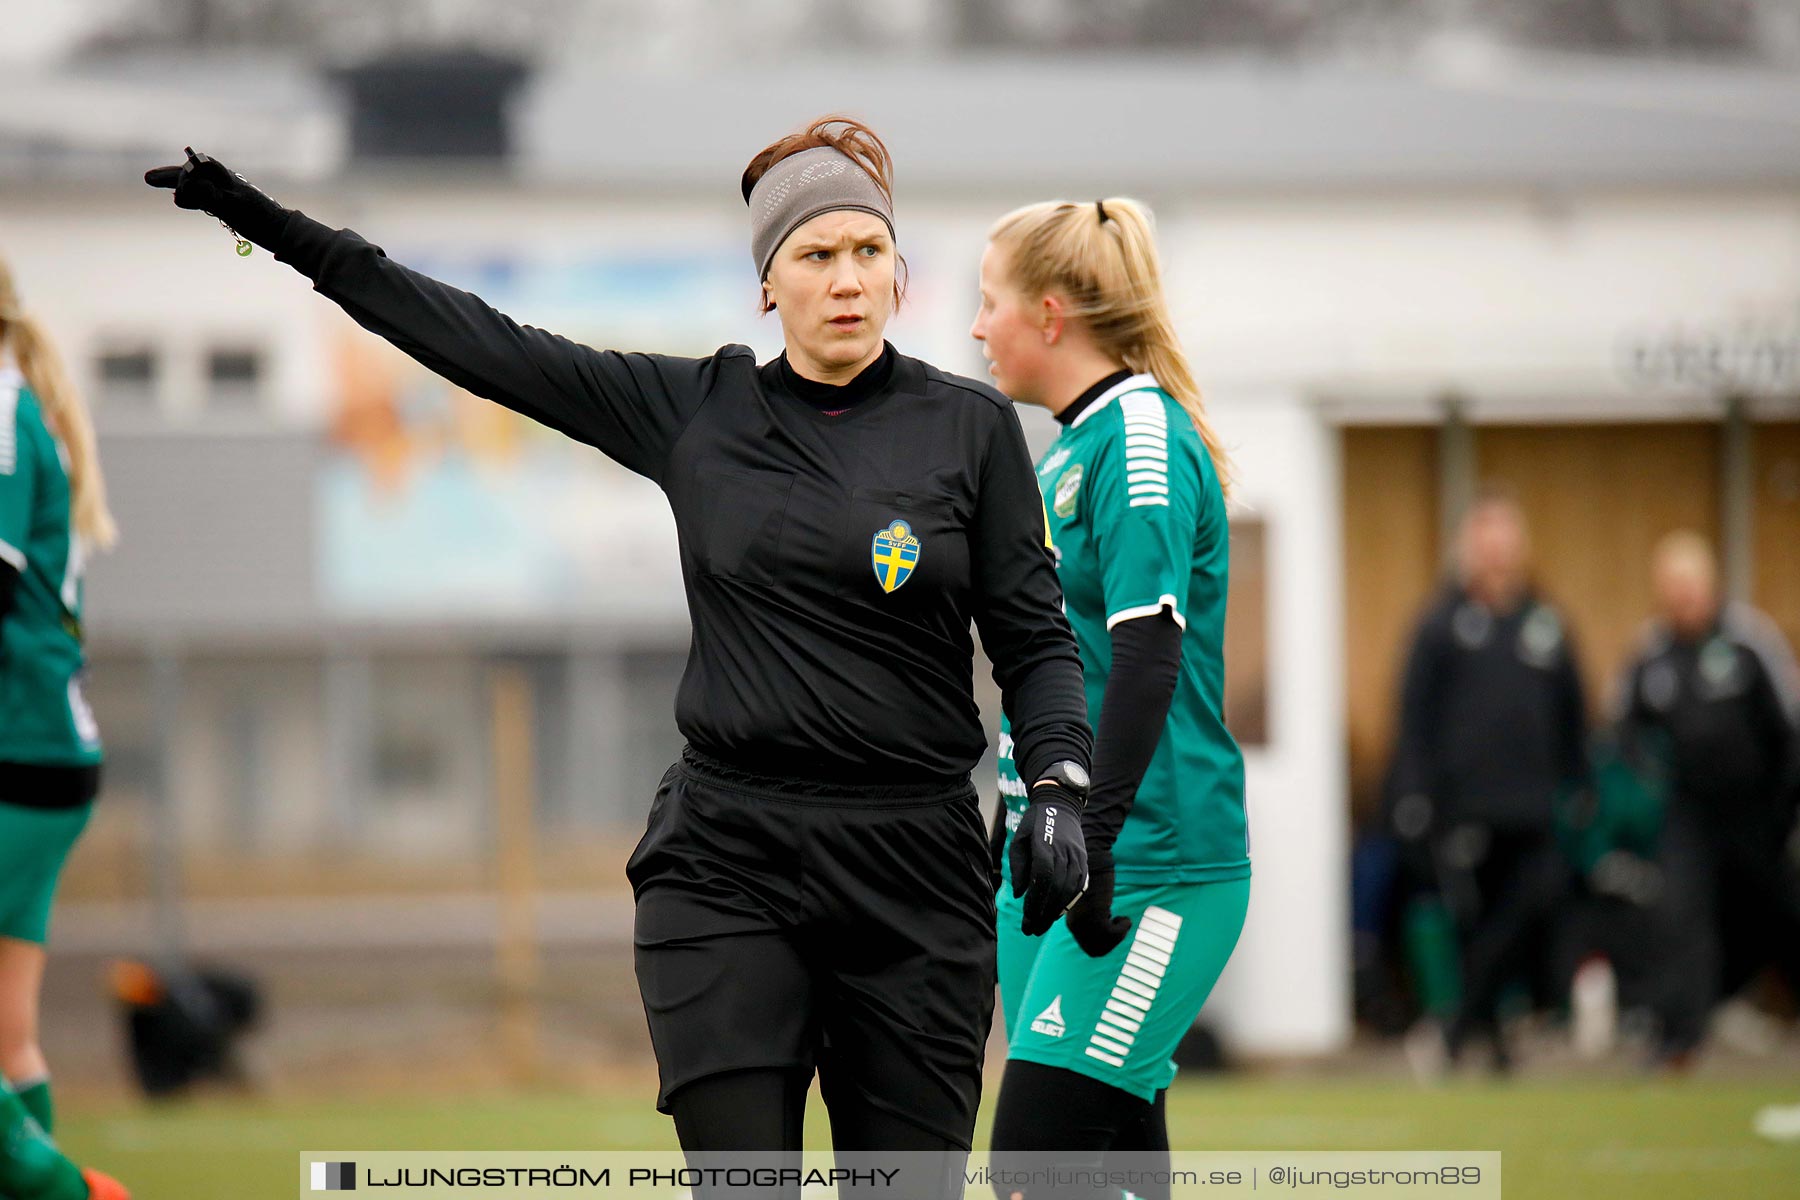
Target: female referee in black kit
812,888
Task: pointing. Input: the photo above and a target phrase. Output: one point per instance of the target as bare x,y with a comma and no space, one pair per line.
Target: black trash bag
182,1022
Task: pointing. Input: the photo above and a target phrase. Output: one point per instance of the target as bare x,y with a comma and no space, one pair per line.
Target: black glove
1091,922
204,183
1048,858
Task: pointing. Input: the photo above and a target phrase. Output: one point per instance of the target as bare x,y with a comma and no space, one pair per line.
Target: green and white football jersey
1137,520
44,719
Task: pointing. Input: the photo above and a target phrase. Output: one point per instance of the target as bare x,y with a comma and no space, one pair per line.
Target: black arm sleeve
1018,611
1146,665
631,406
9,580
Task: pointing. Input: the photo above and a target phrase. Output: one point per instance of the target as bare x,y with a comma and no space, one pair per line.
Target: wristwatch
1072,777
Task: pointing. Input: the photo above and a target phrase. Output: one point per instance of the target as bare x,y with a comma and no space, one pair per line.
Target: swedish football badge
895,554
1067,488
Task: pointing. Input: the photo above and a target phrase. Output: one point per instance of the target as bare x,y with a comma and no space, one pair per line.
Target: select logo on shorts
895,554
1050,1021
334,1177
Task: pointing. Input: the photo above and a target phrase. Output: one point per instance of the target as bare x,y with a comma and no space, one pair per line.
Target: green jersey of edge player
52,506
1073,319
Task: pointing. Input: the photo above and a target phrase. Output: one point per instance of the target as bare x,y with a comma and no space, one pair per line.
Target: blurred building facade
1394,285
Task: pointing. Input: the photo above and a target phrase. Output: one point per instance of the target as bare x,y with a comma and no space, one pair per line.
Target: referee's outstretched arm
630,406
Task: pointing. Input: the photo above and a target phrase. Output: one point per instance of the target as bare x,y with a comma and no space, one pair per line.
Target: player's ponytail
64,410
1102,257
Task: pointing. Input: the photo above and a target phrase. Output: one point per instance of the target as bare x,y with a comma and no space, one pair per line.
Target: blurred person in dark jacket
1713,689
1492,730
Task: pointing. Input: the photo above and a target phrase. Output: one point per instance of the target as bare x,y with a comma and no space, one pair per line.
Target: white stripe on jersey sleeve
1146,447
1146,473
9,425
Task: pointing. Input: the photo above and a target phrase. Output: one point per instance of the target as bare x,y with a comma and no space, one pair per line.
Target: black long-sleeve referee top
803,664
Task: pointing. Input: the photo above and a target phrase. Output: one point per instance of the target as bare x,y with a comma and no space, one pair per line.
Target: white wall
1287,989
1487,294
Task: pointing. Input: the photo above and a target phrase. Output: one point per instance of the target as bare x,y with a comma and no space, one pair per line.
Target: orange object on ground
103,1187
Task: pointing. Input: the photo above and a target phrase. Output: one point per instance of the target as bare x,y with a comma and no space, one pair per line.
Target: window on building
127,377
234,376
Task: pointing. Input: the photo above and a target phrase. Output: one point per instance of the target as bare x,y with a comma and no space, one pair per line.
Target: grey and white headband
799,188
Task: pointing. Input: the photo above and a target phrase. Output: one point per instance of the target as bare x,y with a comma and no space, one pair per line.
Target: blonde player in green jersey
1073,319
52,510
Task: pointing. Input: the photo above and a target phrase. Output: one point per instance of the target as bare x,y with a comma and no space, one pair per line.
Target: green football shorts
1118,1019
34,842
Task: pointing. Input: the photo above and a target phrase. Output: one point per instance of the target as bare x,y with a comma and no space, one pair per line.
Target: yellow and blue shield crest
895,554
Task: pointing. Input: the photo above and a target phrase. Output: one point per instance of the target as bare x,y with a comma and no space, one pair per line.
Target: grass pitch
1643,1140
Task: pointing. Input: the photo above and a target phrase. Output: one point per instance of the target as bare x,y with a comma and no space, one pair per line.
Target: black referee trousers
786,927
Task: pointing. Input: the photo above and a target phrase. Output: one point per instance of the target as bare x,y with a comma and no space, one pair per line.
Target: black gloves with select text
1048,858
